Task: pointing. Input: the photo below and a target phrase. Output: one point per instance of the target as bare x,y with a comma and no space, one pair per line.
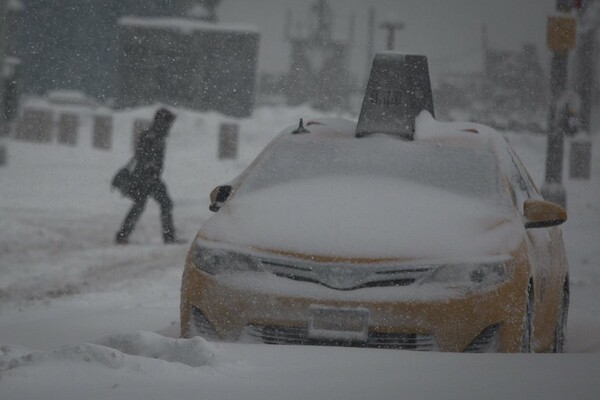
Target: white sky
447,31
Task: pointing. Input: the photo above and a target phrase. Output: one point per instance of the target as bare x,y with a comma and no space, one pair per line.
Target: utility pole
560,39
585,78
588,25
391,28
580,154
370,39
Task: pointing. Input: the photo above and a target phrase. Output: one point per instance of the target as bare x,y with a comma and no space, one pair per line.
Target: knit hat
162,114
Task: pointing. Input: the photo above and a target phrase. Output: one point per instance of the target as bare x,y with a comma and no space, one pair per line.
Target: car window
521,182
527,181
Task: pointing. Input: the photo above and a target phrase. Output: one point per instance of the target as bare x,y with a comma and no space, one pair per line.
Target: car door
544,250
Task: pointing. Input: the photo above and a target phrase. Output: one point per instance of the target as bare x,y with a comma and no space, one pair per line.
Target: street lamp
391,28
560,39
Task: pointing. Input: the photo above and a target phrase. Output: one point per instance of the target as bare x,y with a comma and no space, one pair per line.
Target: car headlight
221,261
471,275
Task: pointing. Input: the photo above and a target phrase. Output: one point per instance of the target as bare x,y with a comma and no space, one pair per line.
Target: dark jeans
159,192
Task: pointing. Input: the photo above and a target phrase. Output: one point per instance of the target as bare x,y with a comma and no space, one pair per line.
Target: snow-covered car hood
327,193
364,217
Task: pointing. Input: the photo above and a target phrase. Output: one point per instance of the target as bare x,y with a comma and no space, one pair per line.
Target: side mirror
543,214
218,197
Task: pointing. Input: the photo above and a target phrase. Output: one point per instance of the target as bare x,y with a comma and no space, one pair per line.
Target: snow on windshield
470,172
370,197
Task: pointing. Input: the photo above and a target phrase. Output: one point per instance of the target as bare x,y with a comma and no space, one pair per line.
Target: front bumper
276,310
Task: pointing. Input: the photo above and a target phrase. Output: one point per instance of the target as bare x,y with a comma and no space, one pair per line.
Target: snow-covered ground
82,318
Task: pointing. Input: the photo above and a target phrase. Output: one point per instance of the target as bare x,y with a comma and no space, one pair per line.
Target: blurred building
72,44
188,63
69,44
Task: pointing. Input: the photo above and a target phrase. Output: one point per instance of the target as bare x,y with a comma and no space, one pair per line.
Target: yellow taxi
437,243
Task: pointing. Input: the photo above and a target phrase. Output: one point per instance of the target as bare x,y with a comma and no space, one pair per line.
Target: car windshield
466,171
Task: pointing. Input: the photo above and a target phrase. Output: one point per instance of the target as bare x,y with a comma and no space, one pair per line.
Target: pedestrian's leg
131,219
166,212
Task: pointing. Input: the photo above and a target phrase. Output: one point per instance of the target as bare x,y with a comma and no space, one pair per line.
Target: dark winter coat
149,159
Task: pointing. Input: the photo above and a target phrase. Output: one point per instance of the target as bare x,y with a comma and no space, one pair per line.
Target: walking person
147,165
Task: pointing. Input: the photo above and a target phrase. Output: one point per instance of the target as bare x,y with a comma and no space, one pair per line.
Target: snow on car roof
466,134
334,152
329,146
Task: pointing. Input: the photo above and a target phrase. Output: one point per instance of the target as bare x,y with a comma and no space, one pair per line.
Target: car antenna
301,128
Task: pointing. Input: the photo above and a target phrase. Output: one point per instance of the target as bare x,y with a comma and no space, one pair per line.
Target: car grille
347,276
299,336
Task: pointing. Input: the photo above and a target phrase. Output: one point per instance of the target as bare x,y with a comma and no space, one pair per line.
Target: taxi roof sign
398,90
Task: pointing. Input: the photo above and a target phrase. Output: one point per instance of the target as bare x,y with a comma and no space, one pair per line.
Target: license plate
338,323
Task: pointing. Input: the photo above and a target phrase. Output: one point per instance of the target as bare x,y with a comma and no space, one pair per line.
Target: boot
121,239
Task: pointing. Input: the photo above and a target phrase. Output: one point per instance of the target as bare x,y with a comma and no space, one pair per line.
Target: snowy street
81,315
